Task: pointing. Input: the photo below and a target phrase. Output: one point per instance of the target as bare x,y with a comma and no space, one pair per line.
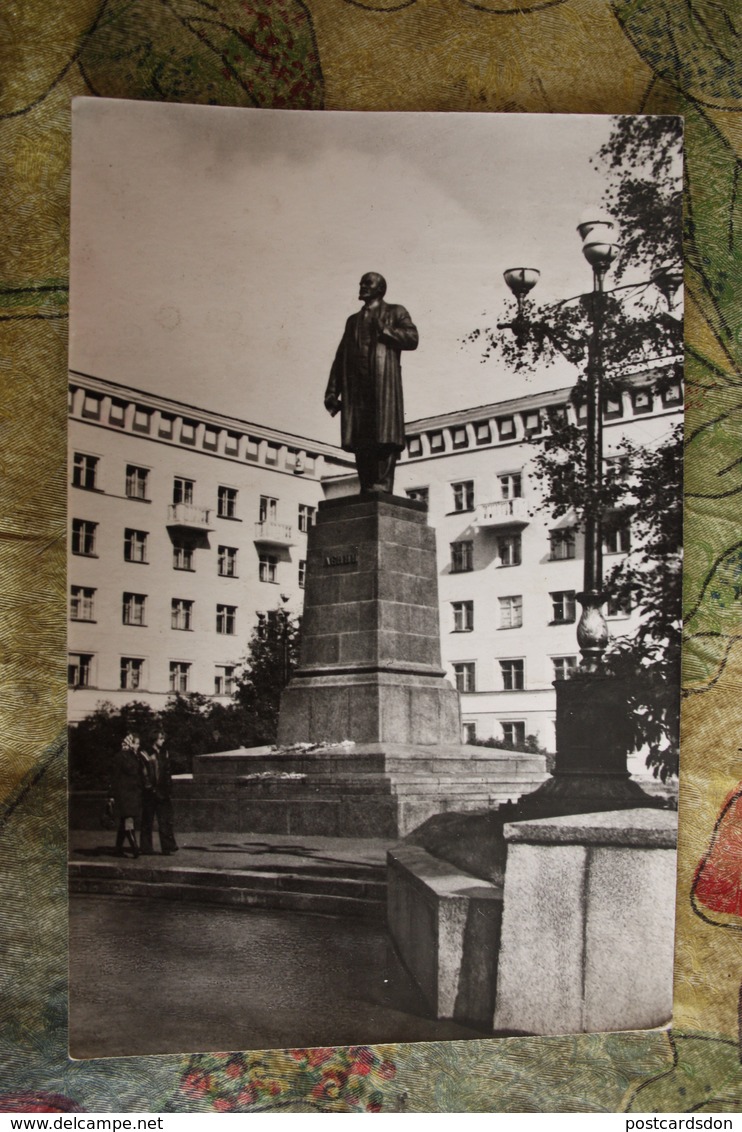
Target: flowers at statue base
342,1079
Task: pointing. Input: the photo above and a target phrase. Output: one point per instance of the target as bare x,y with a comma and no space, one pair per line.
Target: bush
193,725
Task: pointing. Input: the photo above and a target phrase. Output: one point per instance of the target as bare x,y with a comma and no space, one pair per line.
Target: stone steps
344,891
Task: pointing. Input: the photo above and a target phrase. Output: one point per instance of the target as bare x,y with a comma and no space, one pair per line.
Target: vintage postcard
375,542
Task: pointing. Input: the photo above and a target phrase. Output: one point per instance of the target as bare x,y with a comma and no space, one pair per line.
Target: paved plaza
161,976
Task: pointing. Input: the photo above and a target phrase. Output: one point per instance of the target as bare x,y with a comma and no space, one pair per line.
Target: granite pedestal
371,657
369,734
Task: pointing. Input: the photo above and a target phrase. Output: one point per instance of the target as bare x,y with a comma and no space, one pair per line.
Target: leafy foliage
195,724
529,746
192,723
641,159
272,656
648,489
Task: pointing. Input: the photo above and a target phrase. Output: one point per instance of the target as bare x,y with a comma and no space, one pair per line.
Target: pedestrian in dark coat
126,790
157,797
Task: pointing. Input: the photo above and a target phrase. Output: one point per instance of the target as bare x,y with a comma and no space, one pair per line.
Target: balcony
501,513
187,517
271,533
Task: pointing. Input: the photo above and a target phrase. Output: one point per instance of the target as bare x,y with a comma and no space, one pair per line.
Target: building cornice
146,399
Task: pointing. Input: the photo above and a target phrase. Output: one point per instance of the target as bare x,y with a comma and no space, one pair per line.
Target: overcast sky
216,252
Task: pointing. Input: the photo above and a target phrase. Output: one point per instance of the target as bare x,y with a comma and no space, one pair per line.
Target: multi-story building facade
186,526
508,574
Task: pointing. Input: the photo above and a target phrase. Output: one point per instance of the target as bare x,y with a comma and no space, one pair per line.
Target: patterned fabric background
656,56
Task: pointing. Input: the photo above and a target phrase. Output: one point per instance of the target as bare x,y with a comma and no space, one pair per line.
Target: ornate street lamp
599,246
592,725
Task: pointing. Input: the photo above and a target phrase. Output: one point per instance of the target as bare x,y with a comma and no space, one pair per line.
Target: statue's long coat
372,410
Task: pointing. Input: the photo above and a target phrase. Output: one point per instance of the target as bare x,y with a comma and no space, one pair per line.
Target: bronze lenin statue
365,384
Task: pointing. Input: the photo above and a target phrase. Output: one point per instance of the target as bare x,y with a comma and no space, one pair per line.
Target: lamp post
284,615
592,724
599,247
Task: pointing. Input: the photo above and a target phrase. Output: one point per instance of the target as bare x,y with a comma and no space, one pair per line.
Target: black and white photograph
375,552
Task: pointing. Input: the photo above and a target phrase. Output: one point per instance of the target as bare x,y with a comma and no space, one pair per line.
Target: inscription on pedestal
341,558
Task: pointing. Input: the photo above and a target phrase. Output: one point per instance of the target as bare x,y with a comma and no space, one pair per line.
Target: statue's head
372,286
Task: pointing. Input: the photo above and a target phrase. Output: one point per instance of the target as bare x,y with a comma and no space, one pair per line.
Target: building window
421,494
562,544
508,550
302,573
133,612
563,607
613,407
672,395
188,432
564,666
511,611
465,674
618,607
182,490
616,469
468,732
85,471
514,732
227,562
211,439
135,545
267,569
460,437
641,400
414,446
252,448
142,419
80,669
117,414
224,680
231,444
227,503
181,613
463,616
306,516
513,676
511,485
268,509
167,424
617,536
506,428
462,556
482,432
136,482
463,495
436,442
225,619
84,535
182,556
271,454
131,673
180,671
82,602
532,423
91,406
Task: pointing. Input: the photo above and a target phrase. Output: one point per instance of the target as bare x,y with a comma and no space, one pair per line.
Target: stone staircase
343,889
